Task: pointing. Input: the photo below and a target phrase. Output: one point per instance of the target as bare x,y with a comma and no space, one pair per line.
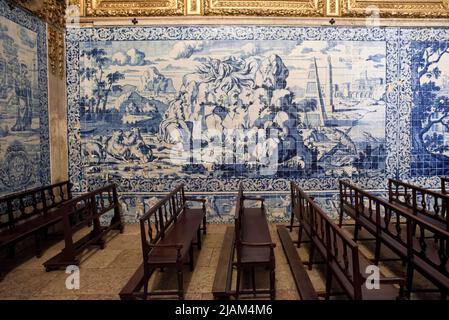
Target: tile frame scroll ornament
114,8
82,182
27,20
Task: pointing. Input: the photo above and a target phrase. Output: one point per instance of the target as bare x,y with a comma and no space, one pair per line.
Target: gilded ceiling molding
126,8
311,8
397,8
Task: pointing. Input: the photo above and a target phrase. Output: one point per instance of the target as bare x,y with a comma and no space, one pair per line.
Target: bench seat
255,217
182,232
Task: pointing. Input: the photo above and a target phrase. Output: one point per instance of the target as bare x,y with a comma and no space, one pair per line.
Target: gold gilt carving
311,8
303,8
53,13
396,8
126,8
56,51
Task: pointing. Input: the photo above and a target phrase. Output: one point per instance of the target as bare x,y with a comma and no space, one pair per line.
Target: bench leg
356,231
298,245
204,225
198,237
328,284
180,285
38,245
12,251
311,255
272,285
377,251
409,280
340,218
237,288
292,220
191,257
253,280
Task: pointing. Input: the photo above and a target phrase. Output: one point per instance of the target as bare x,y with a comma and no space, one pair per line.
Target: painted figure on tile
23,96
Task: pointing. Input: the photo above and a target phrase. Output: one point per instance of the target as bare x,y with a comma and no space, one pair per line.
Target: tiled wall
24,144
150,107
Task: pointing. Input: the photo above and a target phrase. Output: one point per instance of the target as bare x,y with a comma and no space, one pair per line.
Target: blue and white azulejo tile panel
24,142
151,107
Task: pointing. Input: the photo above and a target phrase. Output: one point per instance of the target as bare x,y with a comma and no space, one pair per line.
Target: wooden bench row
32,212
344,262
422,245
168,232
431,206
253,244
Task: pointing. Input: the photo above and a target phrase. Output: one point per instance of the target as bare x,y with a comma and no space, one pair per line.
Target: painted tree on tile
95,70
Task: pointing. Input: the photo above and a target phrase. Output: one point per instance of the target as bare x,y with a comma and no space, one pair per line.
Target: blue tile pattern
24,137
341,101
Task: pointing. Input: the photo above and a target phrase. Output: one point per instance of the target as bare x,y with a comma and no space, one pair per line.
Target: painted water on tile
430,111
232,108
20,103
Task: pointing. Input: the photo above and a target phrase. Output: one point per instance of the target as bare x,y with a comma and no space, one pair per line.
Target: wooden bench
253,244
444,183
221,289
429,205
81,212
168,231
303,283
344,262
421,245
31,212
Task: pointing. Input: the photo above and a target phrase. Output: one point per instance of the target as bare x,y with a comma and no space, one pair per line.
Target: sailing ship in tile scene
212,150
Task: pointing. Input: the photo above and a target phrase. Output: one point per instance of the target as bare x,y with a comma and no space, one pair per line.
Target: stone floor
103,273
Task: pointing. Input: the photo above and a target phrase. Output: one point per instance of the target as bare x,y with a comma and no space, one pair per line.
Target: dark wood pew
303,283
422,245
31,212
432,206
168,231
344,262
221,289
444,185
86,211
253,243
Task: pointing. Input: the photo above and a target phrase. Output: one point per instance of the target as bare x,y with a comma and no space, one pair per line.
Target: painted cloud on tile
23,109
232,108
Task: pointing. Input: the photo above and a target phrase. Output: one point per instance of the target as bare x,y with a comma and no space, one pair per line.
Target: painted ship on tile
232,108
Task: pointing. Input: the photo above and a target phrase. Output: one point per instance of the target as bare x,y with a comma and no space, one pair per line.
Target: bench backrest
341,253
444,185
432,204
409,231
159,218
388,218
22,206
83,209
239,207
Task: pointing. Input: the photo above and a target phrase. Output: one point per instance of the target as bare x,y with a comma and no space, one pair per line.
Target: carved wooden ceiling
300,8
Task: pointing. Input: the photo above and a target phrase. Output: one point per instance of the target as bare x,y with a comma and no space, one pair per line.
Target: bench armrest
254,198
259,244
195,199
